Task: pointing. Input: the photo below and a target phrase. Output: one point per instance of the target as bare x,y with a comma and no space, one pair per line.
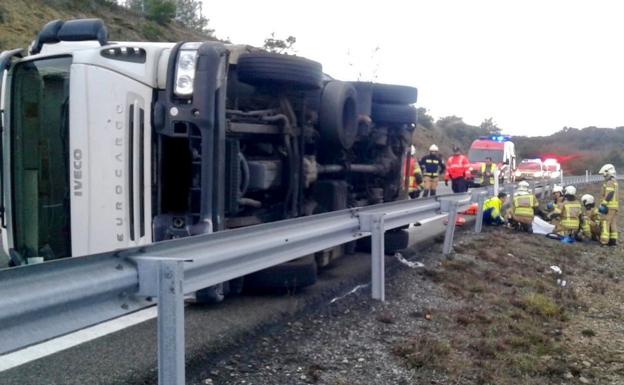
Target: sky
533,66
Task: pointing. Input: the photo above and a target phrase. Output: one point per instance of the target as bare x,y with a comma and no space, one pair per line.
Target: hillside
21,20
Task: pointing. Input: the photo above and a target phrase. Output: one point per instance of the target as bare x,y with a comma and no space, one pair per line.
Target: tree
160,11
136,5
424,119
488,126
273,44
189,13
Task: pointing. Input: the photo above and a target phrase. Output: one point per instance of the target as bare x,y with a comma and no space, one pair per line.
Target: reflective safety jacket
590,219
487,180
610,194
571,214
524,205
432,165
496,205
414,171
457,167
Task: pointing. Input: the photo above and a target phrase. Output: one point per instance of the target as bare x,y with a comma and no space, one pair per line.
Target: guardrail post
496,181
449,206
171,324
479,218
374,223
164,278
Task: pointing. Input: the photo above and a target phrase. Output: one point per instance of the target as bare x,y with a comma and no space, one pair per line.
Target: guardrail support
449,206
479,218
164,278
374,224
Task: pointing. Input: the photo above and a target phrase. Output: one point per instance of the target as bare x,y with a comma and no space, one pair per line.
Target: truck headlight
185,69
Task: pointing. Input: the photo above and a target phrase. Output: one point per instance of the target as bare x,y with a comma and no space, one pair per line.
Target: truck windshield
39,158
479,155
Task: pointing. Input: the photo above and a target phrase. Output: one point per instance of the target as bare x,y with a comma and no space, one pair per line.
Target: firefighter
553,208
415,176
523,205
609,206
487,172
493,210
432,166
590,221
457,171
571,214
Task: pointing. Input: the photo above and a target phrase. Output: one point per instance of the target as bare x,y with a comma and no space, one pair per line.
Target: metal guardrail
40,302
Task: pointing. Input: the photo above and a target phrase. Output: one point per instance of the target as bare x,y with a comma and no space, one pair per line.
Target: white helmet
433,147
523,186
607,170
570,190
412,150
558,188
588,199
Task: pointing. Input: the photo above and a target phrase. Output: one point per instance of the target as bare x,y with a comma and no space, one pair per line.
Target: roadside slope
492,315
20,21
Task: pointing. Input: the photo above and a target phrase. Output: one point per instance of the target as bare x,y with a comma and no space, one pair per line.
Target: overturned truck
109,145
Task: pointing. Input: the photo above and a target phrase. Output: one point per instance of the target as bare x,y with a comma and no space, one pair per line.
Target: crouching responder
432,166
523,207
590,221
493,210
415,176
553,209
609,206
571,213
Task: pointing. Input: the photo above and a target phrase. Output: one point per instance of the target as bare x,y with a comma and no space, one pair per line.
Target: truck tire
394,94
394,113
338,114
269,69
212,294
298,273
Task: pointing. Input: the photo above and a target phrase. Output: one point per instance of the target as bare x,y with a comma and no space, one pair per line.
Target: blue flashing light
500,138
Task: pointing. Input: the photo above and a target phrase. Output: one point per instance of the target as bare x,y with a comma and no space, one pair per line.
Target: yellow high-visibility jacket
524,205
608,187
571,213
496,205
590,218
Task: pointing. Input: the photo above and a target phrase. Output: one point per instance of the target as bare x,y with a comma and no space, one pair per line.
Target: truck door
110,160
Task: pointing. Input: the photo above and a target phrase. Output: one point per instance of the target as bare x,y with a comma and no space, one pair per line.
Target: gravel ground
495,317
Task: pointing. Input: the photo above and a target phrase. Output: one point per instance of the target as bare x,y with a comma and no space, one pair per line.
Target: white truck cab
108,145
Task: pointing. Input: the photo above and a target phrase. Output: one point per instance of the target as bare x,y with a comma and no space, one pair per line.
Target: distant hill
21,20
577,149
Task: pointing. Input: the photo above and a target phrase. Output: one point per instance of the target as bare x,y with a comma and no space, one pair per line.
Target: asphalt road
129,356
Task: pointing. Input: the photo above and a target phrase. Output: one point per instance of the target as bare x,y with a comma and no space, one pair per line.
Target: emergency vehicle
530,169
553,168
502,151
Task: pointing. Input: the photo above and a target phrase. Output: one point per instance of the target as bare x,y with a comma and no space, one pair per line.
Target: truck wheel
394,113
298,273
338,114
266,68
212,294
394,94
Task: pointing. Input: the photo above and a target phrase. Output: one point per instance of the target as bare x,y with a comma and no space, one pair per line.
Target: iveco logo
77,171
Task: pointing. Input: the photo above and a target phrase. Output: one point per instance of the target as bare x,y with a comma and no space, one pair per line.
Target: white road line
56,345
